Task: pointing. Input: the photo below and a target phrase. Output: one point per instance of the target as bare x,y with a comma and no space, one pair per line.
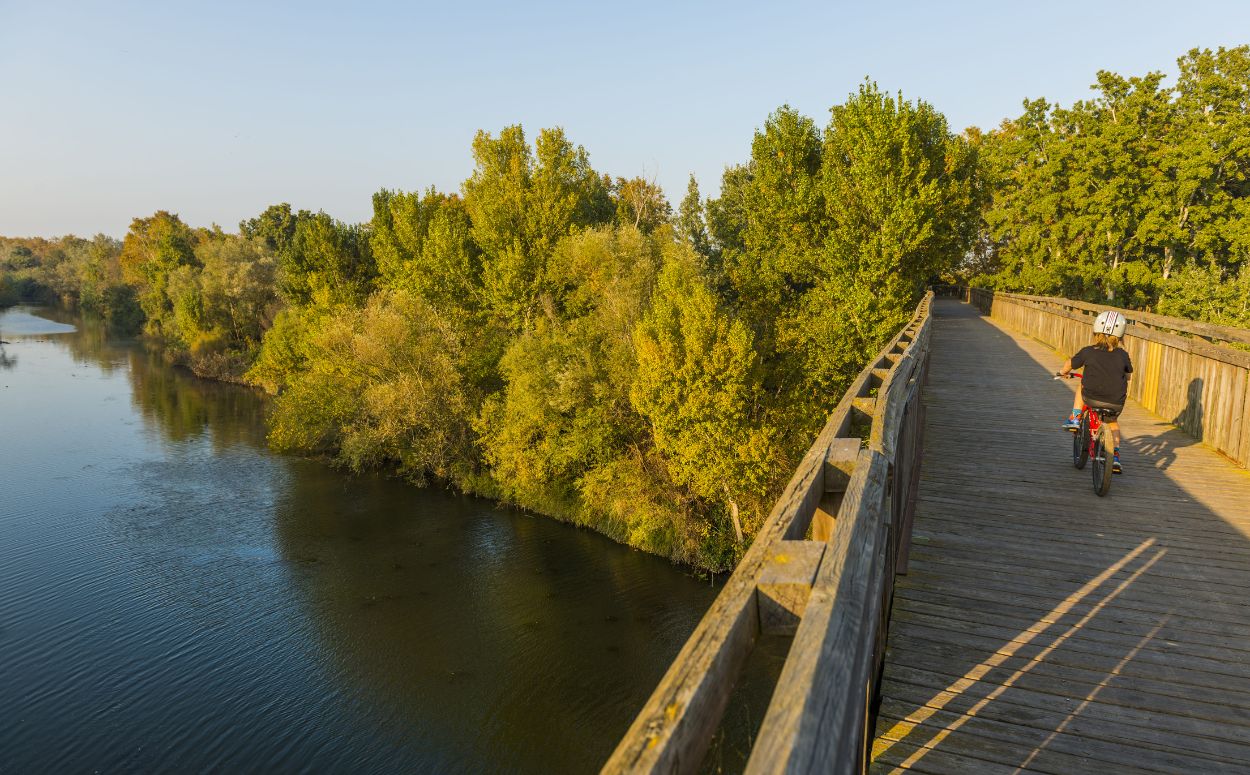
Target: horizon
217,114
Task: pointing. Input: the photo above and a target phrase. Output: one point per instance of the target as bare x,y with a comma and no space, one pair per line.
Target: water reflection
184,406
505,638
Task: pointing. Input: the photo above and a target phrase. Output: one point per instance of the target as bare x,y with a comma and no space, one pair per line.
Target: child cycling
1105,381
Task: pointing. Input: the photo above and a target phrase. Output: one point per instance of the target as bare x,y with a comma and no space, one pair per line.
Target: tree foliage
1129,196
382,386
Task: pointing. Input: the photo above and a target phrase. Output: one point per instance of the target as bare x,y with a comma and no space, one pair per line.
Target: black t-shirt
1106,374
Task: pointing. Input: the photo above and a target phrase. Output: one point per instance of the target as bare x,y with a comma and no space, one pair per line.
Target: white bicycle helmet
1111,323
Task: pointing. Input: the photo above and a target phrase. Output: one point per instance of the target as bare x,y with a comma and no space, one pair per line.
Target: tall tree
153,249
698,386
520,203
640,203
328,262
691,220
275,227
901,199
423,244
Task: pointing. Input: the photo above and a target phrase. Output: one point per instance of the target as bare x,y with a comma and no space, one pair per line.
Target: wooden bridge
986,612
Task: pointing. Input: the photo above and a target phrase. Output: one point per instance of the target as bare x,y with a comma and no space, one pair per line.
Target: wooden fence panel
1184,371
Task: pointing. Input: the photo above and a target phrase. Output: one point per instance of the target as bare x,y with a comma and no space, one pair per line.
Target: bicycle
1092,440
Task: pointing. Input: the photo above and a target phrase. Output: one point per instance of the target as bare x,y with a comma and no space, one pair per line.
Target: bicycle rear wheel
1080,443
1104,451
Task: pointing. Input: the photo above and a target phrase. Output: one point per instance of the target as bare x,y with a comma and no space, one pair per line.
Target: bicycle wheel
1104,452
1080,443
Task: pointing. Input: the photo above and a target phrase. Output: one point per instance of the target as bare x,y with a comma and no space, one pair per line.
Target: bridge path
1044,629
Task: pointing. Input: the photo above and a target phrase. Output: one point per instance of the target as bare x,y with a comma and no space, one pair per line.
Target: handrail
1184,371
1208,332
845,577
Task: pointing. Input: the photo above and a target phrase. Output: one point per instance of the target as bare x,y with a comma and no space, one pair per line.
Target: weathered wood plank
1106,725
811,719
785,584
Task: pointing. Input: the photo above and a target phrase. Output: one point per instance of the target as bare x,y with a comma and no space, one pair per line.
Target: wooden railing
1184,371
822,568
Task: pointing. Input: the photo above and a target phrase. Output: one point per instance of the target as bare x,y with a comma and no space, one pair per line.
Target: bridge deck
1042,628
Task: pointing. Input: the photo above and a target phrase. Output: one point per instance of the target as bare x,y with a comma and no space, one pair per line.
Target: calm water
173,597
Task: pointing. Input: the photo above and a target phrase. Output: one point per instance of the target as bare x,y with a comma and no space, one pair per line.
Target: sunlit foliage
1139,196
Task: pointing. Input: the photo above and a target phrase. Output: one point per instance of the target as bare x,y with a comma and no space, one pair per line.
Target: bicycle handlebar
1069,375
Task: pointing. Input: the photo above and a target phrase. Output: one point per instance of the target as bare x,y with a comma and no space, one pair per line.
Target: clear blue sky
215,110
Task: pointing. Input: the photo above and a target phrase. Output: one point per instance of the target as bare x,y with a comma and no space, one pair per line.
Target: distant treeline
1139,196
556,337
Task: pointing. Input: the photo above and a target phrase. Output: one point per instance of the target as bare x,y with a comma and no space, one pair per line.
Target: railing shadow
1042,627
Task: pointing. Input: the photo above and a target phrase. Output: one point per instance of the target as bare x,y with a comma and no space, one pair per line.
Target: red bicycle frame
1093,417
1095,422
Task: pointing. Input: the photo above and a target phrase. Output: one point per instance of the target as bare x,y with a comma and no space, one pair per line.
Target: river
175,597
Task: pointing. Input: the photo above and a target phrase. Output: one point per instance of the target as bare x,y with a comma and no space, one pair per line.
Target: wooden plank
1087,747
1096,733
814,721
1116,700
785,583
1186,627
1110,626
1074,654
932,661
893,757
1209,658
840,463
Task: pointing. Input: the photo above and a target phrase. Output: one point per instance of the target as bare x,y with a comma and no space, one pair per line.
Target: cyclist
1105,381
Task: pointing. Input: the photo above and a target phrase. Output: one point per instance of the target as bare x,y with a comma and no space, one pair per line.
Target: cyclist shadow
1160,449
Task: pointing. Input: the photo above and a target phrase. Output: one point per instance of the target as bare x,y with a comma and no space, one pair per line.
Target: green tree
521,202
641,203
275,227
153,250
781,220
901,197
423,244
564,413
328,262
691,221
698,386
381,386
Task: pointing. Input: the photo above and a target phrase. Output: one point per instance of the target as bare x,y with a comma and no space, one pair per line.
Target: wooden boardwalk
1044,629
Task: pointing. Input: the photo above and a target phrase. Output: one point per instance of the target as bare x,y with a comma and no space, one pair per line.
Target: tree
780,220
698,387
275,227
901,198
328,262
520,203
153,249
1112,197
423,244
564,414
691,222
641,203
381,385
